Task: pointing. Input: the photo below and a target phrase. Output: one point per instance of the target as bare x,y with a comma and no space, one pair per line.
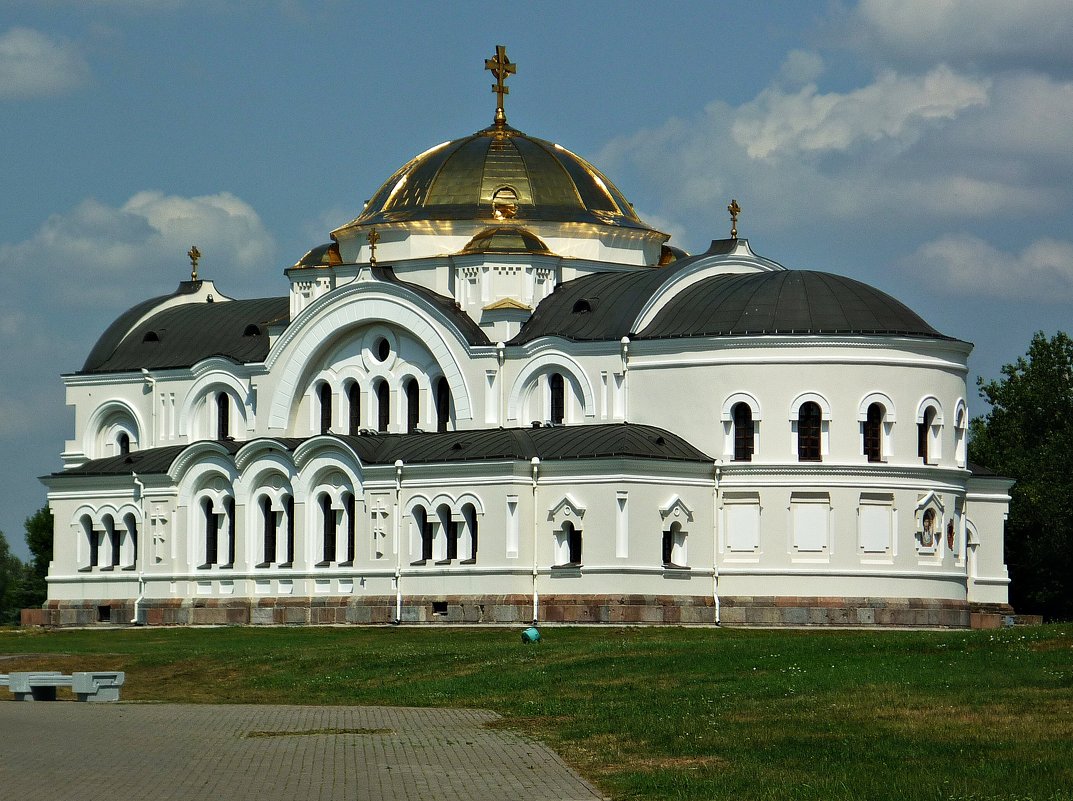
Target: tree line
22,585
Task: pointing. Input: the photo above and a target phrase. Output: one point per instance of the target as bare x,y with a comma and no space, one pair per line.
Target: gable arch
198,394
545,364
727,413
108,416
883,400
925,402
354,306
815,397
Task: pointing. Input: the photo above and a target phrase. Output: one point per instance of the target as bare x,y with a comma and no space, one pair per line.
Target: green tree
38,528
11,579
1028,436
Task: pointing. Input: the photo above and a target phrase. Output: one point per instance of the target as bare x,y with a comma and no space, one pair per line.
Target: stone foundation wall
566,609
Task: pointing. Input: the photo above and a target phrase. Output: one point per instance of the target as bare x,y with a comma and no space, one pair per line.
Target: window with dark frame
114,539
353,396
351,527
290,531
223,416
923,433
269,531
557,386
873,432
426,539
211,533
443,404
324,397
383,406
668,547
743,433
230,510
123,440
329,531
413,406
809,427
574,542
94,545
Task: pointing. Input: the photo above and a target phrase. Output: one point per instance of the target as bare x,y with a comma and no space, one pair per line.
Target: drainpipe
715,544
625,343
139,558
398,542
536,550
151,440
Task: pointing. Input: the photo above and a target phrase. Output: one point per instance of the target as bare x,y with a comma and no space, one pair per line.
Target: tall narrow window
452,540
426,538
383,406
574,544
668,547
413,406
230,510
123,441
743,433
351,527
353,397
212,533
809,425
93,541
324,396
558,398
873,433
924,432
329,529
114,541
443,404
223,416
268,534
289,506
470,515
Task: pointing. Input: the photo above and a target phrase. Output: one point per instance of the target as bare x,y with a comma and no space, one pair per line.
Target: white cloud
1042,271
33,65
99,253
978,32
800,67
893,108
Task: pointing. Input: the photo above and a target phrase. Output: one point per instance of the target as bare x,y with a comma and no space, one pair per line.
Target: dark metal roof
181,336
557,443
784,302
604,306
458,180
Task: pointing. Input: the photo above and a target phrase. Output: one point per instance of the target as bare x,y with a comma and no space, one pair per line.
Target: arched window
229,507
413,406
212,533
123,441
424,529
92,542
557,404
289,507
873,432
743,433
469,514
674,546
351,526
809,426
383,406
130,542
573,541
324,396
353,397
113,542
443,404
223,416
330,530
450,531
268,532
924,434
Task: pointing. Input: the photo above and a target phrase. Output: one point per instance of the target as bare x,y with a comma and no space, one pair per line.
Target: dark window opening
383,406
104,614
558,398
582,306
452,541
114,536
574,542
351,527
324,395
809,427
383,349
923,432
873,433
743,433
330,530
230,507
151,336
426,540
290,532
251,331
353,396
211,533
439,607
443,404
269,531
223,416
413,407
94,548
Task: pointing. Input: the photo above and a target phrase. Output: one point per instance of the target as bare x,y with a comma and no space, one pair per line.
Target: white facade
240,483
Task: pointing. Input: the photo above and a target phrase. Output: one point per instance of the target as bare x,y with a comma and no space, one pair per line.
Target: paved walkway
176,752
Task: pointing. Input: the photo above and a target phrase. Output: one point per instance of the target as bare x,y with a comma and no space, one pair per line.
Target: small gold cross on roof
734,210
500,67
194,255
373,238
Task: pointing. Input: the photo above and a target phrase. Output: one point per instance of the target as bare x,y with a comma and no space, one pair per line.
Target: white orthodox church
497,395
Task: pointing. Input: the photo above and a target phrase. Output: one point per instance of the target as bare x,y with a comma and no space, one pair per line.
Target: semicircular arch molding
925,402
106,415
815,397
727,413
307,339
555,361
883,399
199,391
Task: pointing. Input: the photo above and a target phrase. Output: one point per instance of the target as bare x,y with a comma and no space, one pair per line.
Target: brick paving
175,752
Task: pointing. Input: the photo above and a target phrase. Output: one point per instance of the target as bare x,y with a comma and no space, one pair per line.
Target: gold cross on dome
373,238
734,210
194,255
500,67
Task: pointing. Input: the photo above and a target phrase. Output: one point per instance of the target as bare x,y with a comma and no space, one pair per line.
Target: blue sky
923,146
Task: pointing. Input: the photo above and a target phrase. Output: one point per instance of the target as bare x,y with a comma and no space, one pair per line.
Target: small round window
383,349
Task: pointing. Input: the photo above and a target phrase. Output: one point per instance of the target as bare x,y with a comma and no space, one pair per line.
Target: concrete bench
87,686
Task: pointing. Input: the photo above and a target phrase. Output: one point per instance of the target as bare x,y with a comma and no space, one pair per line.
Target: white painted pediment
567,509
676,510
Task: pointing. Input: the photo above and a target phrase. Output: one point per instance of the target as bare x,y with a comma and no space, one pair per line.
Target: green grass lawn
662,713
